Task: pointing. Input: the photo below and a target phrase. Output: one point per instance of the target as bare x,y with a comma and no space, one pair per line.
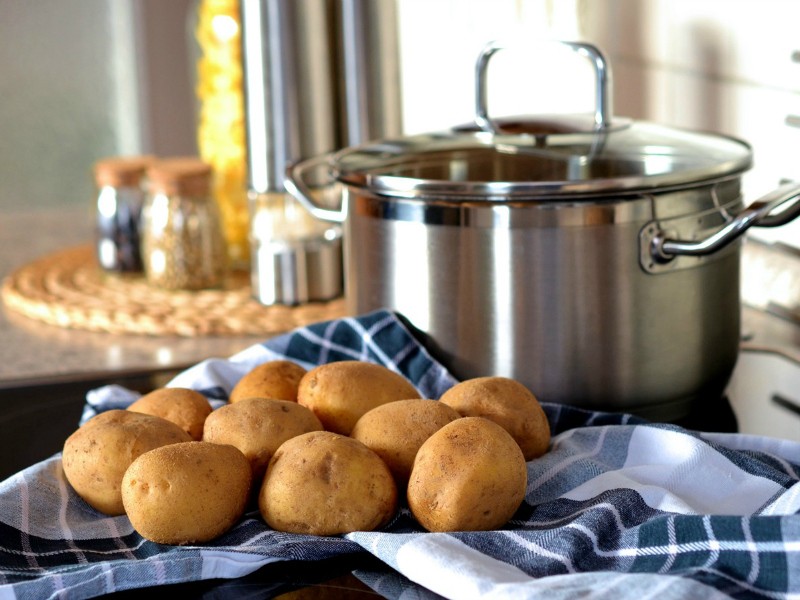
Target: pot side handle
295,183
778,207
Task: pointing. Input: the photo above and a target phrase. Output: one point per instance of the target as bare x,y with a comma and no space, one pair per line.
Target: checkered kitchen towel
619,508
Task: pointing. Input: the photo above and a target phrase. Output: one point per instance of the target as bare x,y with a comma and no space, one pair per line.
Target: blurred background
84,79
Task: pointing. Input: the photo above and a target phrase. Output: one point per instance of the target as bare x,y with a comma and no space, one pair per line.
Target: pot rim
628,158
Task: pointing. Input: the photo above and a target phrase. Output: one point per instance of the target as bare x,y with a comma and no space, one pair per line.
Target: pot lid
633,157
542,156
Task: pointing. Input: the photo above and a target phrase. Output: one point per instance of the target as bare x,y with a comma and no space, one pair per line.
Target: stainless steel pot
595,260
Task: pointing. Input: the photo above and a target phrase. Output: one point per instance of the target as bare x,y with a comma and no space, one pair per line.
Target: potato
276,379
96,456
323,483
185,407
339,393
257,427
508,403
186,493
396,430
468,476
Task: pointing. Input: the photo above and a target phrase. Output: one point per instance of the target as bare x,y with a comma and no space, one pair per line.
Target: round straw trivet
69,289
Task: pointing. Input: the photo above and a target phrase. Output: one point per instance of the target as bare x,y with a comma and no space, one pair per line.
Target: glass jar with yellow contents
221,122
183,246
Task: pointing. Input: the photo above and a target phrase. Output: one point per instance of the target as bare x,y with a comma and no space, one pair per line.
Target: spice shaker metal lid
298,271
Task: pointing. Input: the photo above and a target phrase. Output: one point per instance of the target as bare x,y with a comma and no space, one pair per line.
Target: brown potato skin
468,476
340,393
508,403
185,407
96,456
186,493
396,430
257,427
276,379
323,483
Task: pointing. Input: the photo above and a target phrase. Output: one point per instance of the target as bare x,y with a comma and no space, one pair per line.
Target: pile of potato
327,451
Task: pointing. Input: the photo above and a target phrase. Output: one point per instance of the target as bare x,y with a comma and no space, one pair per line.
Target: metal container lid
635,157
542,157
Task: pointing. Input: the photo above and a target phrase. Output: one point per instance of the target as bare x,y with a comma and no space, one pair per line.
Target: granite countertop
34,352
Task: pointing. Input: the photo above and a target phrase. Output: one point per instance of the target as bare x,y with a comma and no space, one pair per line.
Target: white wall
84,79
55,88
441,39
721,65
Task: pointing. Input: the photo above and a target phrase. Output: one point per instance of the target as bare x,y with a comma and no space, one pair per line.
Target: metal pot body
561,296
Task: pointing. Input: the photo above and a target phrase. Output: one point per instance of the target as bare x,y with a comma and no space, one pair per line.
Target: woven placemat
69,289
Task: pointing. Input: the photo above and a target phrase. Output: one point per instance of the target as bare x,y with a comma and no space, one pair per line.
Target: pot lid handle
603,109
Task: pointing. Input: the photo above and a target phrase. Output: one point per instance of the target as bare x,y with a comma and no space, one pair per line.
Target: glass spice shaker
120,195
295,257
183,245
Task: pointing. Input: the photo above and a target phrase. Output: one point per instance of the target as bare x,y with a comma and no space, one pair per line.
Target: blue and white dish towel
618,508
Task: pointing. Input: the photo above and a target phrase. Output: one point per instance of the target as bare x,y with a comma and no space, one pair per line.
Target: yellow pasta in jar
221,125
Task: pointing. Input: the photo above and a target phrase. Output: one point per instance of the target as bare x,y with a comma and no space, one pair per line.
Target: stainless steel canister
290,111
319,75
369,71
